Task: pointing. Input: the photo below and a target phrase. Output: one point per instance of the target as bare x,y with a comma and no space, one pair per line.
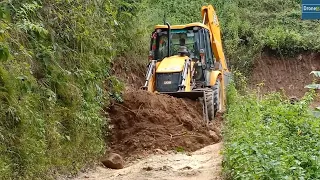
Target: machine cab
194,39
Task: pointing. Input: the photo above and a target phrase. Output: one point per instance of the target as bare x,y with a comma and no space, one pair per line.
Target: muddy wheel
210,104
216,95
213,100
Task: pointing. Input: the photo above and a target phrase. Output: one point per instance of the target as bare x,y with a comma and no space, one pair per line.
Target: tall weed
270,138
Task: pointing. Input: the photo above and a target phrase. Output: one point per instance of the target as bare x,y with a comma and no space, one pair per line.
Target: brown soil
288,74
132,74
148,121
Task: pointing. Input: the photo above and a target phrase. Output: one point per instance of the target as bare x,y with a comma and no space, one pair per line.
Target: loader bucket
194,95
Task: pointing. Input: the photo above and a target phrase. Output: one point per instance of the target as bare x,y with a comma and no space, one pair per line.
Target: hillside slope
55,80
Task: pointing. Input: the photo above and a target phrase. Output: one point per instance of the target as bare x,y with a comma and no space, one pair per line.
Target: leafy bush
270,138
54,59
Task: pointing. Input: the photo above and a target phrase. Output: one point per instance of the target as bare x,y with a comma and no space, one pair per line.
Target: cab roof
181,26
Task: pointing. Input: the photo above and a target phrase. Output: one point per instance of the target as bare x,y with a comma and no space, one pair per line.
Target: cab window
208,49
188,38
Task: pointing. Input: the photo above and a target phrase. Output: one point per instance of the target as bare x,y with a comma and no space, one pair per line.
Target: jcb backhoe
187,61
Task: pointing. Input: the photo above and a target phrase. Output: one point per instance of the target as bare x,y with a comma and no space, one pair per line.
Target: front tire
210,104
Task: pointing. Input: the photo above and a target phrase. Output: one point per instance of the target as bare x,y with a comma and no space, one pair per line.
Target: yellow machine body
170,65
182,63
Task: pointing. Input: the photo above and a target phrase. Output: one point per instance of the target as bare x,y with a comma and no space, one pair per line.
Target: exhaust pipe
169,38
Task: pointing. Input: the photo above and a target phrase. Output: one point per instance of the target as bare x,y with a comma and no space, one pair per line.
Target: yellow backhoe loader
187,61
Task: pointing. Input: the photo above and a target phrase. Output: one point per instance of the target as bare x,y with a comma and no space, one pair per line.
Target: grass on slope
270,138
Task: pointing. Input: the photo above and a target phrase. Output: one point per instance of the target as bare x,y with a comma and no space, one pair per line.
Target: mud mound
289,74
147,121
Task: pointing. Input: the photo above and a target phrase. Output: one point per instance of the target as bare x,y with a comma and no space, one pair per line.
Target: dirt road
204,164
148,129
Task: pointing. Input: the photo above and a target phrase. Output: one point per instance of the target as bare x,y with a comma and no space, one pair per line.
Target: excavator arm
210,19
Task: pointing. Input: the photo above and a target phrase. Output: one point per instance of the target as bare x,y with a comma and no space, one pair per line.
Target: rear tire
213,100
217,95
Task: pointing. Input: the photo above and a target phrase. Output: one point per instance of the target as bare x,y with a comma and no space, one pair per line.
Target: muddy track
204,164
161,137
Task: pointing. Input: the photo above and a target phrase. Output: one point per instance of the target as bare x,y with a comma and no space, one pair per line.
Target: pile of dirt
148,121
289,74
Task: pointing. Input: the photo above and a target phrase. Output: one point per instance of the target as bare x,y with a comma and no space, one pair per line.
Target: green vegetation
180,149
55,78
315,85
55,61
270,138
249,27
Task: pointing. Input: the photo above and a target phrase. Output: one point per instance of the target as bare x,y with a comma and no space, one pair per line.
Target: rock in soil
113,161
214,135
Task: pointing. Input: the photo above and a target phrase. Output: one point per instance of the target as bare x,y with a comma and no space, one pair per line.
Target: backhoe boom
210,19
